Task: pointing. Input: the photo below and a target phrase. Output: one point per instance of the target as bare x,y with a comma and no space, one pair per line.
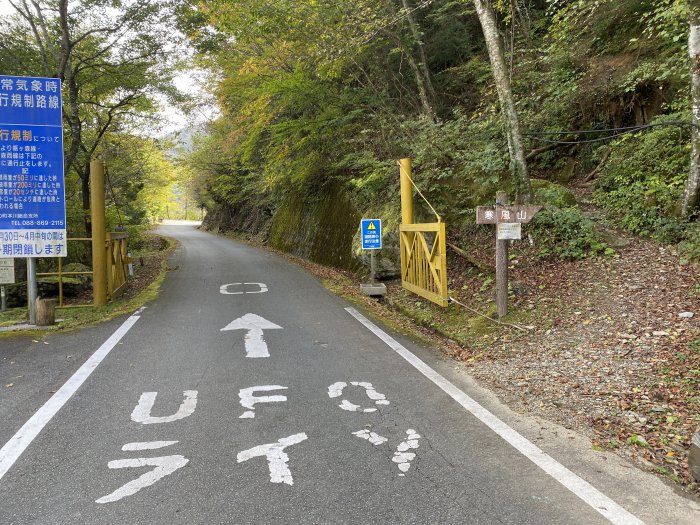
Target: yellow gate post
406,209
406,191
99,237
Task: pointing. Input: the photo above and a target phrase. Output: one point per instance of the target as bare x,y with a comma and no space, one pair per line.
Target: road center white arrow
255,345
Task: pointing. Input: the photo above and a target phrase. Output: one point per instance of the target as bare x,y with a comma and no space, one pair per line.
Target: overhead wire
613,132
439,219
367,37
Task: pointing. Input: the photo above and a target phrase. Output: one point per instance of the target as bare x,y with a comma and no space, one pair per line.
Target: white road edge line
581,488
18,443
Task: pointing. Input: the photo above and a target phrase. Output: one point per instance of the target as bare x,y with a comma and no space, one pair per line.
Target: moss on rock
551,193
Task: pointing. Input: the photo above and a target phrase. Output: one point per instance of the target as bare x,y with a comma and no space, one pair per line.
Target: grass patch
82,317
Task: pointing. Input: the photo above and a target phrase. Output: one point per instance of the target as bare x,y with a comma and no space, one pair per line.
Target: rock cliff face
318,226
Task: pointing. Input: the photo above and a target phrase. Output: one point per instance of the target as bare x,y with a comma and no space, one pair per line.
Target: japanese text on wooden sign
510,214
32,197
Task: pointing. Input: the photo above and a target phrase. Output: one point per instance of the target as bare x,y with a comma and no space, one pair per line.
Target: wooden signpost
508,220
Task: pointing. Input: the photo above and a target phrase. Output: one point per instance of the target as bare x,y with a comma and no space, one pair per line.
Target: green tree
112,59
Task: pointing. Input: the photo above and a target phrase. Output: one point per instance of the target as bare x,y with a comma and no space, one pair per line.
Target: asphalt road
246,393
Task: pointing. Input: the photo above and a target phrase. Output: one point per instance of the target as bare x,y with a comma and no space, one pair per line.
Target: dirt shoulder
614,353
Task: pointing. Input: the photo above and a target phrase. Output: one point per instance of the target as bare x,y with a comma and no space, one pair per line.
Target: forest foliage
315,92
319,93
116,60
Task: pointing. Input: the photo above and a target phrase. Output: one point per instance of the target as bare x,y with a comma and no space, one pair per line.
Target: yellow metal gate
117,264
423,247
423,264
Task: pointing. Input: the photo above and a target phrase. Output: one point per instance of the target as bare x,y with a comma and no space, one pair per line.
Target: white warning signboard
7,271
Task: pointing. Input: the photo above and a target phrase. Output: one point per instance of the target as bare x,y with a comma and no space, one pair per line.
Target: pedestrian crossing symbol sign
371,234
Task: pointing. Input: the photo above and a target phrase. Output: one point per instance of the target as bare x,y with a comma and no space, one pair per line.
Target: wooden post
99,236
501,261
45,312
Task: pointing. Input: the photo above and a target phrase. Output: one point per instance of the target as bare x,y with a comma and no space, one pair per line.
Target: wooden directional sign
502,214
508,220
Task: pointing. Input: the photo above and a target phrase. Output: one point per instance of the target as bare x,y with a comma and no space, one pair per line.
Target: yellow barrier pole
97,206
406,191
406,212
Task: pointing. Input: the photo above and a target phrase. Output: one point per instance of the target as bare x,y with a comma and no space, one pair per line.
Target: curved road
246,393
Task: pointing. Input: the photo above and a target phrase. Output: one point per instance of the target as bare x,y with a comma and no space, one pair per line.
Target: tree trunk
518,165
427,107
421,51
85,193
422,88
691,194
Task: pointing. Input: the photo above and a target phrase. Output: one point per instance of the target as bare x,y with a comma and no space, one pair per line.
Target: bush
553,194
642,183
567,234
690,245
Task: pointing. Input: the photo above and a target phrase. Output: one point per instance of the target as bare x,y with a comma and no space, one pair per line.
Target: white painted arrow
255,345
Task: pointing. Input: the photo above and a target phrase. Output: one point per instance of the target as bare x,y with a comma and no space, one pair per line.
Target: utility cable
367,37
616,132
439,219
497,321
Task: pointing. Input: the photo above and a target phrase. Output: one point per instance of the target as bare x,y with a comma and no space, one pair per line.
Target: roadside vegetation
150,269
319,99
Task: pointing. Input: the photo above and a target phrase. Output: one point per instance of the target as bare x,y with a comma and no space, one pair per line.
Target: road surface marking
262,288
142,412
401,456
164,466
336,390
147,445
600,502
18,443
372,437
248,400
255,345
276,457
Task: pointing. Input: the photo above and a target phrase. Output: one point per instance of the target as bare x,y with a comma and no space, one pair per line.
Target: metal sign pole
373,267
3,299
32,291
